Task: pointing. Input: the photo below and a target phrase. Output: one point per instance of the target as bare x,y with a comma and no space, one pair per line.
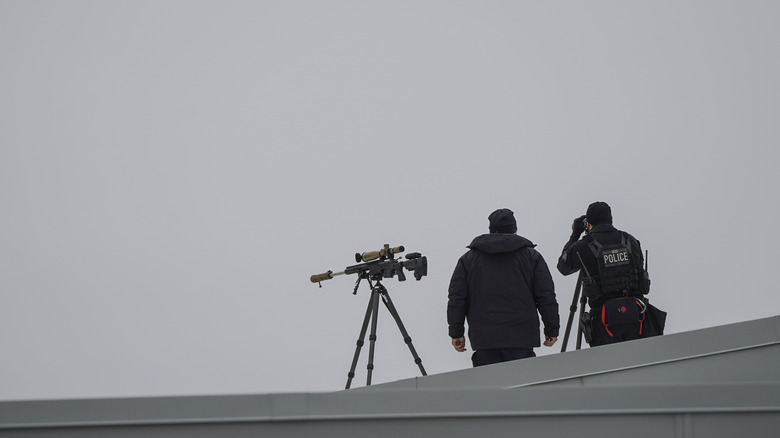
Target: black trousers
496,355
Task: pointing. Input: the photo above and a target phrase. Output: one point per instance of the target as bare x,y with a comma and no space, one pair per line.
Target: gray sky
172,172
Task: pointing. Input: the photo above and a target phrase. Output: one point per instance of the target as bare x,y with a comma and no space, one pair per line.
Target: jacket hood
496,243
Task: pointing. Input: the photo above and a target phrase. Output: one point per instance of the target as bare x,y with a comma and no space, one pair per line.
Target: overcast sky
172,173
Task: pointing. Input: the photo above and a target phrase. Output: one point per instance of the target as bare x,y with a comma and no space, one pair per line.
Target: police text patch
615,257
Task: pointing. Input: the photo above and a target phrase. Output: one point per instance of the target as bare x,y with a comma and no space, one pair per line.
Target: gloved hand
577,227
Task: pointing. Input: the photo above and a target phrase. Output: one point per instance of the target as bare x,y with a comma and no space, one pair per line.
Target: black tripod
377,291
572,310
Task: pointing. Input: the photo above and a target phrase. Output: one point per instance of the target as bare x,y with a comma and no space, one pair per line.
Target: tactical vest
616,276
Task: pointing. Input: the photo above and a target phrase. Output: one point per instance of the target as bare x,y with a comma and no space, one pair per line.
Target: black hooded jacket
498,286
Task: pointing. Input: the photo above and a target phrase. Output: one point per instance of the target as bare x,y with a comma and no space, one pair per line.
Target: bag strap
594,245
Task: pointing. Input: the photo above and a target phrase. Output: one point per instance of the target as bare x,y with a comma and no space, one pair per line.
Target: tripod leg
360,340
583,301
572,309
372,336
393,311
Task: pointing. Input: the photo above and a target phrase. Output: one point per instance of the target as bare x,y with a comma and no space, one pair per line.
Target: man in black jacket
498,286
614,280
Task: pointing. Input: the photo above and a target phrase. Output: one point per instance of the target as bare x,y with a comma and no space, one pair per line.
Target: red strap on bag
641,321
604,320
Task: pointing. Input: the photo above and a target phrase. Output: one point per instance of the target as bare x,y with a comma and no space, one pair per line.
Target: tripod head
381,264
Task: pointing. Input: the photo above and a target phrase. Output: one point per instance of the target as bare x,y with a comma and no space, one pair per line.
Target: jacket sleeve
544,296
636,248
457,303
568,262
643,278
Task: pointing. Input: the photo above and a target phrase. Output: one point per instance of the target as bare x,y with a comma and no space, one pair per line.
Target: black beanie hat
502,221
599,213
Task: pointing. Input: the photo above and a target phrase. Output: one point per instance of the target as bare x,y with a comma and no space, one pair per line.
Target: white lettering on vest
616,257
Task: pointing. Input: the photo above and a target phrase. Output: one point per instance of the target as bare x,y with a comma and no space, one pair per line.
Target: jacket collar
603,228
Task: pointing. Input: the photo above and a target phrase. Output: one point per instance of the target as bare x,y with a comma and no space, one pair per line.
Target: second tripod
572,311
378,292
